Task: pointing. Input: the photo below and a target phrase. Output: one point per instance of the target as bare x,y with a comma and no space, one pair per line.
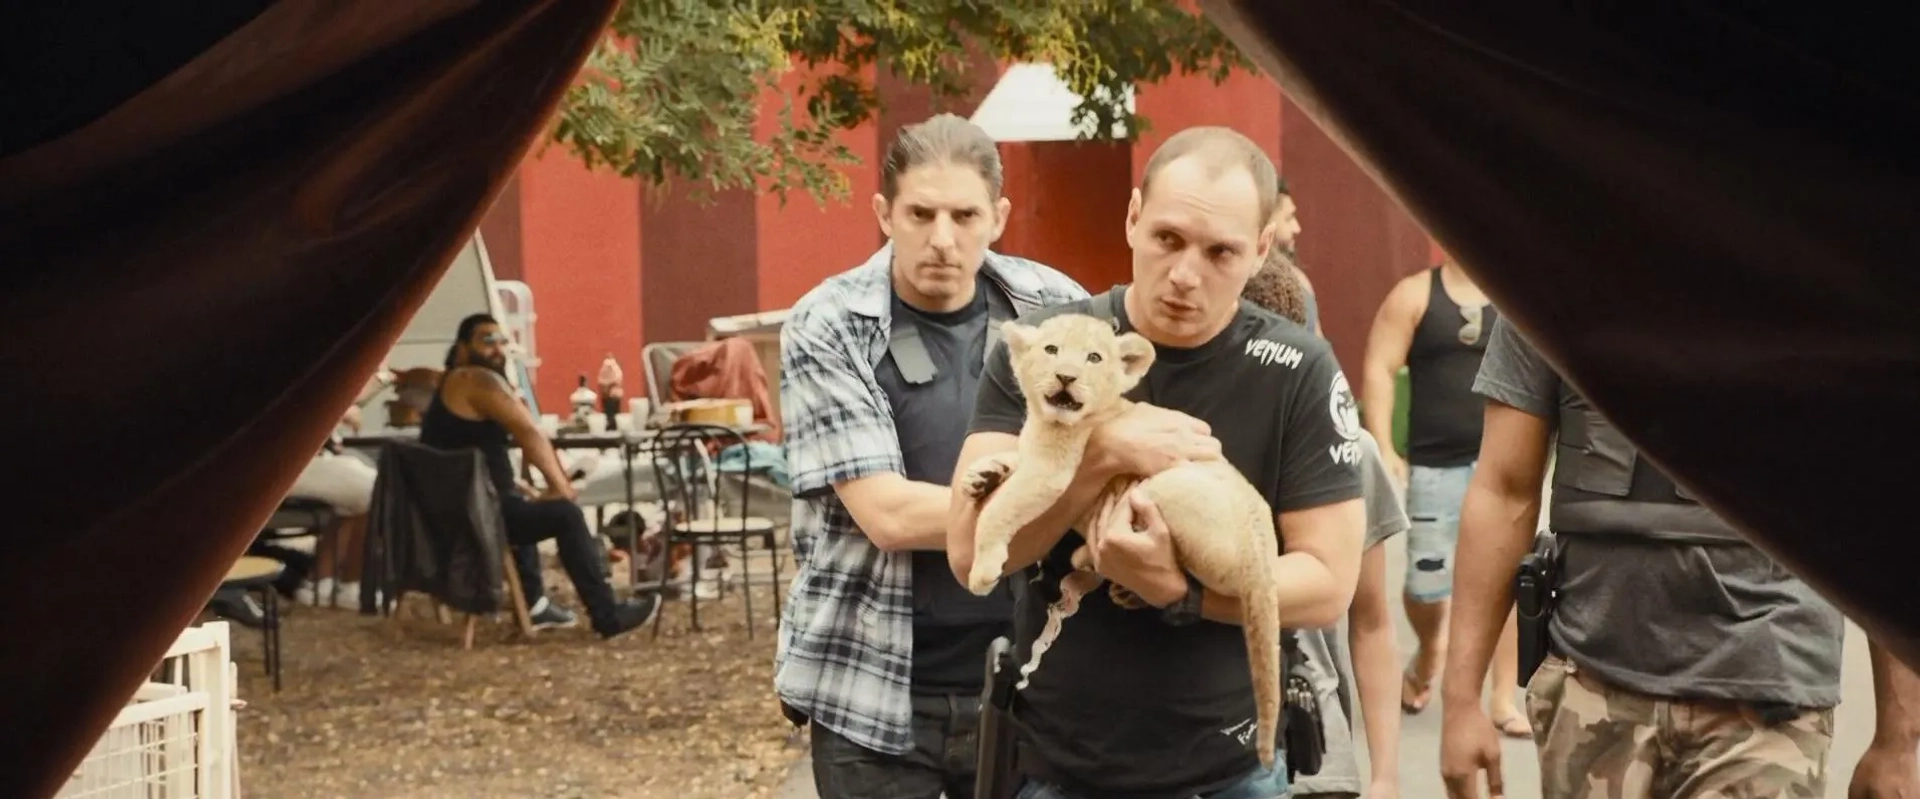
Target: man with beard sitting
475,408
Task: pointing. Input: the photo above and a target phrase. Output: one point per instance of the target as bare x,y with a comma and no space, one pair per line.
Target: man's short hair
472,323
1277,288
1219,149
944,139
464,335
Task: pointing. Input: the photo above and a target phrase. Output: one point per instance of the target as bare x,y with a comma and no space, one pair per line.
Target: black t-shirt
952,628
1123,704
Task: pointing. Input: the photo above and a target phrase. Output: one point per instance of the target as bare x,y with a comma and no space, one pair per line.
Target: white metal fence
175,739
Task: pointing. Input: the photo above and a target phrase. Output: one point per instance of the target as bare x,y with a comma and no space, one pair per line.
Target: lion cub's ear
1136,353
1019,337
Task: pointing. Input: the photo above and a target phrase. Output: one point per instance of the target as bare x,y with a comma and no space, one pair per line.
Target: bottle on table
611,391
582,400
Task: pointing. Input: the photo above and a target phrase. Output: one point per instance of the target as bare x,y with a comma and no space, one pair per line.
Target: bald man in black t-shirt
1157,702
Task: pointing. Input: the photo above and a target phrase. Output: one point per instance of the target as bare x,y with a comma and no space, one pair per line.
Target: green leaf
674,91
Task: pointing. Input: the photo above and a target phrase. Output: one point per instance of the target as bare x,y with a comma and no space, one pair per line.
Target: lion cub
1074,370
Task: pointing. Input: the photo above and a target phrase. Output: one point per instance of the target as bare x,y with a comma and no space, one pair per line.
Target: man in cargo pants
1684,662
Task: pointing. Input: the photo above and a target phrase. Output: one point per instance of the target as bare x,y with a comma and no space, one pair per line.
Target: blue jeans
1261,783
1434,494
946,746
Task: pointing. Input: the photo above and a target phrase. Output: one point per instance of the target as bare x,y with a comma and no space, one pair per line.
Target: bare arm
1376,665
1307,286
380,379
1497,520
489,395
1387,344
898,514
1318,571
1033,541
1896,701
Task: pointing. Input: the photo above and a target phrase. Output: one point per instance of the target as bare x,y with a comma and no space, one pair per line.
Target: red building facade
614,265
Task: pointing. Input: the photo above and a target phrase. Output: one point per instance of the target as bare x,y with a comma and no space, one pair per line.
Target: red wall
1246,102
1070,208
600,285
1355,241
580,252
807,240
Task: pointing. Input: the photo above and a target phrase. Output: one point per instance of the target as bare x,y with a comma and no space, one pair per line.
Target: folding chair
658,360
692,488
403,467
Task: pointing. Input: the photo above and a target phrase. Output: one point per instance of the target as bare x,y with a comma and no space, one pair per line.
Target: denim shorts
1434,494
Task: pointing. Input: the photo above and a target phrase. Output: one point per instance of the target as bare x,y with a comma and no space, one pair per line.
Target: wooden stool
257,574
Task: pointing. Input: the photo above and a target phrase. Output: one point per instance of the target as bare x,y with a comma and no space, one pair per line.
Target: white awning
1031,103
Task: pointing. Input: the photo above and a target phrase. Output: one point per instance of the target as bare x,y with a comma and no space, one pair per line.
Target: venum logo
1346,421
1242,732
1274,352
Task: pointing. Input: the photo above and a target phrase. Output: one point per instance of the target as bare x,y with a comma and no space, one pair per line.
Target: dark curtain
215,219
1707,215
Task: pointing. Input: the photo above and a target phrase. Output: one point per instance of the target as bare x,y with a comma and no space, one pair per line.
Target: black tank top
440,428
1444,417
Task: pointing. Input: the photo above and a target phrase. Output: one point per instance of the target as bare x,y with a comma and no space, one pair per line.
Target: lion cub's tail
1261,607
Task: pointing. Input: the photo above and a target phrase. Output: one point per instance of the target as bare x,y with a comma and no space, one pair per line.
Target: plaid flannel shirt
845,650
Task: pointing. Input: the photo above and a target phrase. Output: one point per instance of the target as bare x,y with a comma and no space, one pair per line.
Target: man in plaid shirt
881,648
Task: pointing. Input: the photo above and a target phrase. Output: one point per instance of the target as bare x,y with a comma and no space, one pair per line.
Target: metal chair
299,517
684,458
657,360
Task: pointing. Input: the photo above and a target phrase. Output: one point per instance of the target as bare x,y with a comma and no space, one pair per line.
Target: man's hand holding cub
1130,546
1145,440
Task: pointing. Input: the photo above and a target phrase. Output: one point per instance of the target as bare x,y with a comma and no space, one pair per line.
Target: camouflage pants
1598,741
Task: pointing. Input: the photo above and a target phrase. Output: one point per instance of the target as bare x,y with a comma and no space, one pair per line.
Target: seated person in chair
343,481
475,408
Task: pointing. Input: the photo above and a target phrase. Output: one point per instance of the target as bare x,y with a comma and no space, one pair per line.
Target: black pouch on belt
1302,731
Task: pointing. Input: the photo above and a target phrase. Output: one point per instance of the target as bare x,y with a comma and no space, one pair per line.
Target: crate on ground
175,738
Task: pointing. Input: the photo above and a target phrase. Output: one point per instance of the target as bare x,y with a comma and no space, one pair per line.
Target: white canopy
1031,103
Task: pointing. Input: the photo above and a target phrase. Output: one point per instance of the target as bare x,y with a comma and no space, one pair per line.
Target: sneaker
548,616
327,593
238,607
629,615
296,565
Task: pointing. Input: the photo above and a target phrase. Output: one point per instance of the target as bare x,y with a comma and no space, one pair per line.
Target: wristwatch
1187,610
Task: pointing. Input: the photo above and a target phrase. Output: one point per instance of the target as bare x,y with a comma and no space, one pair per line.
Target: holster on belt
1536,589
998,776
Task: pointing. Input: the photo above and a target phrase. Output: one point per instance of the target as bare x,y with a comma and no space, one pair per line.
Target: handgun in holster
998,775
1536,589
1303,732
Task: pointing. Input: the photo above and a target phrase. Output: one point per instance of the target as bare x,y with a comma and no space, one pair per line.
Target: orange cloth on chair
727,369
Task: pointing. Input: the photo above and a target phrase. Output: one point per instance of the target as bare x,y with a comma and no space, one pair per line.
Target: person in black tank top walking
475,409
1434,323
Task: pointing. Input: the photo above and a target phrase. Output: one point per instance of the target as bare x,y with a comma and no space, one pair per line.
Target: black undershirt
951,627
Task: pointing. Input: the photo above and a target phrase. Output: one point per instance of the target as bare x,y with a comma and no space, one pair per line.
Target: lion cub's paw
1083,559
986,573
985,476
1125,599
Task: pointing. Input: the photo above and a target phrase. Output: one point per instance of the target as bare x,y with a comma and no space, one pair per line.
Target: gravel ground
377,708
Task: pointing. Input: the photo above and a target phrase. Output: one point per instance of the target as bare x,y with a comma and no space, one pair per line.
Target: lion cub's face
1075,366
